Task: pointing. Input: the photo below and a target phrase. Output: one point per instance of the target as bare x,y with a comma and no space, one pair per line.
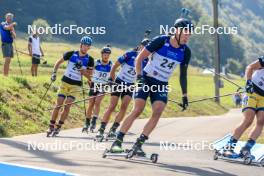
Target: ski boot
56,131
86,125
50,130
93,124
246,155
111,135
99,136
117,147
230,153
136,151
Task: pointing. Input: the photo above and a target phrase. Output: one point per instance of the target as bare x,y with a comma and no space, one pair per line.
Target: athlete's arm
141,56
66,56
89,71
113,69
155,44
30,46
13,33
57,65
9,27
254,66
183,71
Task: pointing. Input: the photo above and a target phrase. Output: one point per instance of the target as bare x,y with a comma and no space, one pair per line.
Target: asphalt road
76,152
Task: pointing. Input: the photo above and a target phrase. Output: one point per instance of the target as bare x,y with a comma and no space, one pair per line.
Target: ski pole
239,87
18,60
79,101
44,94
83,94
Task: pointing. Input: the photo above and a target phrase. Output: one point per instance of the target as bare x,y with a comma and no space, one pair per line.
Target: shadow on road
180,169
50,156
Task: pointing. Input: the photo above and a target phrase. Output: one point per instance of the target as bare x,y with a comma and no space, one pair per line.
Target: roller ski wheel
92,128
130,154
50,131
154,158
99,137
105,152
56,132
247,160
216,155
85,130
261,162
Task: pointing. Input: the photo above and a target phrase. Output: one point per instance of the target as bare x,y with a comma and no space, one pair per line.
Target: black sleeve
68,55
156,43
90,64
183,70
261,61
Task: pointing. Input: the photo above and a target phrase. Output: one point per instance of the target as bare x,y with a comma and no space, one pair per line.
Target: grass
19,95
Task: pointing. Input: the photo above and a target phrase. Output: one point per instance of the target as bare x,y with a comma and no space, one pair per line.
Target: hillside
125,22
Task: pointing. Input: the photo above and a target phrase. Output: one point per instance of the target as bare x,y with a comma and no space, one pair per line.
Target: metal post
216,52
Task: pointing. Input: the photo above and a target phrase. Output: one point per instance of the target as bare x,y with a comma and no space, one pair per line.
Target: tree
39,25
234,66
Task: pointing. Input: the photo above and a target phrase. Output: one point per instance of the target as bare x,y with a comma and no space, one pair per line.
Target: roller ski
86,126
135,153
56,131
111,136
238,154
93,125
99,136
50,130
138,153
246,158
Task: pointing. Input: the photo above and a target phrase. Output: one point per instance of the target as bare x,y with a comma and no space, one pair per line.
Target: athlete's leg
55,113
36,70
56,110
256,131
138,108
254,134
249,115
6,66
89,112
120,115
97,105
157,109
90,108
110,109
32,70
67,108
107,114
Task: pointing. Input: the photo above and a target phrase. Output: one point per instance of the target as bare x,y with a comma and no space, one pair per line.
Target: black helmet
106,50
145,41
183,23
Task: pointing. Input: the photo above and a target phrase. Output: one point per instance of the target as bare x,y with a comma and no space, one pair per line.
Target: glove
249,87
185,102
110,81
140,80
53,76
